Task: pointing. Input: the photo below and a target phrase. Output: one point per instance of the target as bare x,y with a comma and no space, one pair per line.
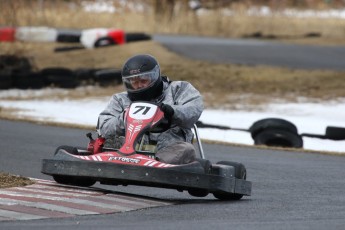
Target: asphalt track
291,190
256,52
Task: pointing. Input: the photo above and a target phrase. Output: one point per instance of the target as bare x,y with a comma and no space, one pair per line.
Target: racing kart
132,164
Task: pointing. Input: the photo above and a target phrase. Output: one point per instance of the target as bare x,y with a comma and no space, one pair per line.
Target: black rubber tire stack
17,72
106,77
276,132
59,77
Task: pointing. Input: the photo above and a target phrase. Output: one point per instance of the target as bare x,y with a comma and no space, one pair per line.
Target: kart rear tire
272,123
76,181
240,173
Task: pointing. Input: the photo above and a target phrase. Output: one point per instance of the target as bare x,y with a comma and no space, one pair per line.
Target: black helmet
141,77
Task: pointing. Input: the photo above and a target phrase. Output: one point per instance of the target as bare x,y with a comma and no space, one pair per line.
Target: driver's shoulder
178,85
121,98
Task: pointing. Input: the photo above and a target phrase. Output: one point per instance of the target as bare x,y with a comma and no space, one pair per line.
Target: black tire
133,37
272,123
68,36
206,164
85,74
106,77
5,80
240,173
198,192
104,41
59,77
15,63
278,138
73,180
335,133
28,80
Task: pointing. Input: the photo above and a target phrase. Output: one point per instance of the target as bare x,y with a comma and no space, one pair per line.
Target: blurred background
222,18
122,28
312,22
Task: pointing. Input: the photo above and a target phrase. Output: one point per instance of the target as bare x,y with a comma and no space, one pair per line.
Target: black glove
168,111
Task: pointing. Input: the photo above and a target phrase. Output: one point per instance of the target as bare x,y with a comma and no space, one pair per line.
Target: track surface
290,190
256,52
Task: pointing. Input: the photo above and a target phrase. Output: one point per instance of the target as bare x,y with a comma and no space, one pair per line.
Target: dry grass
8,180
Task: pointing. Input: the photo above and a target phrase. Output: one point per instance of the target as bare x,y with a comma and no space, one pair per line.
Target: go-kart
133,165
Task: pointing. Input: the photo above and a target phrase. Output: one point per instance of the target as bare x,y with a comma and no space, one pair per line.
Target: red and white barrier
7,34
36,34
89,38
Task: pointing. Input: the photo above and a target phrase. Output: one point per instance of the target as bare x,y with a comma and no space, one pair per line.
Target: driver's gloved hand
168,111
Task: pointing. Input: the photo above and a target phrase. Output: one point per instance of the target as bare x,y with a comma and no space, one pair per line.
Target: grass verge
8,180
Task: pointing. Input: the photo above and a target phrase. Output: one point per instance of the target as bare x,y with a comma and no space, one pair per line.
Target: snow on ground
308,117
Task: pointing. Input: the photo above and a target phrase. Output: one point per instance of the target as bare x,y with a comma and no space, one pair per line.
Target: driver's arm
110,121
188,105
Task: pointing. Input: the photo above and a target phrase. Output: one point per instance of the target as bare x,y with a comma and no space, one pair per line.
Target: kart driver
181,103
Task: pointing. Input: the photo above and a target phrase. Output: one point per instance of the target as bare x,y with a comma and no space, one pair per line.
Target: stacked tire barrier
277,132
88,38
18,72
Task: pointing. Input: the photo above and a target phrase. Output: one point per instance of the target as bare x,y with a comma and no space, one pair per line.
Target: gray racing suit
187,104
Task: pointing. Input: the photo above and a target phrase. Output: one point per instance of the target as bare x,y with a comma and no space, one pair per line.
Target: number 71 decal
140,108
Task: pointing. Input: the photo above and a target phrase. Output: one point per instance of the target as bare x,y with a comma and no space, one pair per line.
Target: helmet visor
141,81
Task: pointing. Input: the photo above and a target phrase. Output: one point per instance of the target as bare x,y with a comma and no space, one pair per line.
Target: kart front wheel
76,181
240,173
198,192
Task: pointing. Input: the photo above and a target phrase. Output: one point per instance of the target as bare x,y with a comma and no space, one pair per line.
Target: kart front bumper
182,177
